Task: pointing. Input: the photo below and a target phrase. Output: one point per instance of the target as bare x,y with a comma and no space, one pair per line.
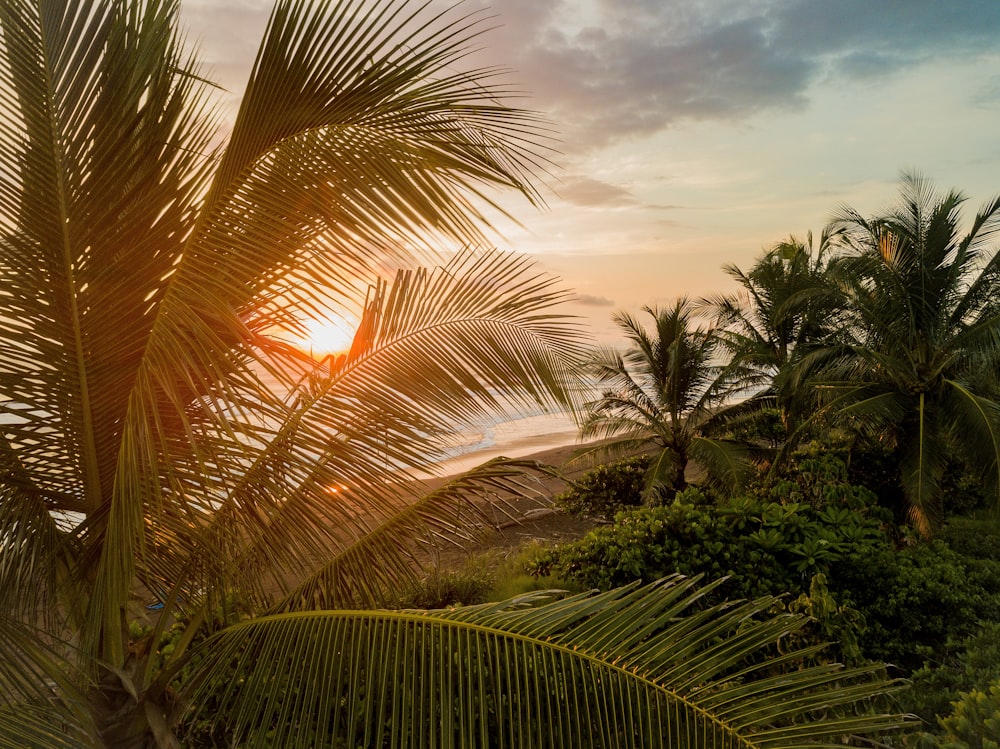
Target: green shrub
441,589
830,622
973,663
765,547
978,539
607,489
975,721
764,427
916,601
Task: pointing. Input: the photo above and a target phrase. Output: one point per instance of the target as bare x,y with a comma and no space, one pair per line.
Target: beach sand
534,518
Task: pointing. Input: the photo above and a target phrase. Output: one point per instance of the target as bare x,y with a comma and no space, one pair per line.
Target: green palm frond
42,702
455,515
640,667
727,461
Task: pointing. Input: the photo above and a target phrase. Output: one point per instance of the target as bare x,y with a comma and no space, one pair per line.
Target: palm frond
436,350
632,667
457,514
727,461
42,703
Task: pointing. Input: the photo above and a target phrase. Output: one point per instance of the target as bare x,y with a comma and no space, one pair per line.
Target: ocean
513,438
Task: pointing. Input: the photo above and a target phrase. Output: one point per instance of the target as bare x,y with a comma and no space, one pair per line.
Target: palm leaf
632,667
460,512
435,350
726,461
41,701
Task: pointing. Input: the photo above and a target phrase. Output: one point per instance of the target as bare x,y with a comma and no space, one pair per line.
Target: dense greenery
162,442
915,362
602,491
931,609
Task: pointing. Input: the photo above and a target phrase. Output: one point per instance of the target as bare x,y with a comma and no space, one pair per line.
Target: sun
325,336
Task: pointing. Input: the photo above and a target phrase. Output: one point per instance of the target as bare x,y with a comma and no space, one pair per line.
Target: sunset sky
696,132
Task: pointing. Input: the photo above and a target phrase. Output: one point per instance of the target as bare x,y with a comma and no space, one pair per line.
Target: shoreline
554,448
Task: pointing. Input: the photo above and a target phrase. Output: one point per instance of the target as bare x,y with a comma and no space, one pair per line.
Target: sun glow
325,337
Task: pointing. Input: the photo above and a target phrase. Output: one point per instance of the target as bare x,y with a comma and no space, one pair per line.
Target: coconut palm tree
161,443
159,439
918,368
660,395
783,308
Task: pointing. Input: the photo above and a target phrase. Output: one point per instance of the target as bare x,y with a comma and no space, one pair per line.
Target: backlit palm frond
435,350
637,667
359,140
372,143
36,553
105,143
42,703
104,139
366,572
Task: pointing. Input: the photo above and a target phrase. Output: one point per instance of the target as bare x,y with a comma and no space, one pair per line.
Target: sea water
516,437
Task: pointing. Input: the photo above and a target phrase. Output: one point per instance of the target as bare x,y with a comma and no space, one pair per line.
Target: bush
765,547
607,489
441,589
972,664
974,723
917,601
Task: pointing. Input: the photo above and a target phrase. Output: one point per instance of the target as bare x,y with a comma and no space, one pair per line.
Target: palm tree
783,308
918,367
159,439
660,395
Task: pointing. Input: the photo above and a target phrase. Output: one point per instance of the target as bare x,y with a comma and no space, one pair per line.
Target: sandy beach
532,518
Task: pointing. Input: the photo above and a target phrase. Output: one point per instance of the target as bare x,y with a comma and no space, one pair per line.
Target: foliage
160,438
973,663
442,588
975,721
923,598
830,622
916,362
681,667
782,310
764,547
660,395
602,491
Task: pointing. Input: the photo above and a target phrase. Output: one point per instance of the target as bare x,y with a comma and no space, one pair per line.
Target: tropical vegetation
782,308
660,396
916,361
862,379
164,447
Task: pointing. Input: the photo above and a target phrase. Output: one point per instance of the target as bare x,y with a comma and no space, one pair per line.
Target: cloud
988,95
589,300
585,191
610,70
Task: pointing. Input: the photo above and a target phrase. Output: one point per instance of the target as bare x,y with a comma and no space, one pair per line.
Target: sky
696,133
